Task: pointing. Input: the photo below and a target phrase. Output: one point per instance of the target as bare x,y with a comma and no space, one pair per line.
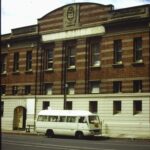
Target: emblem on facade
71,15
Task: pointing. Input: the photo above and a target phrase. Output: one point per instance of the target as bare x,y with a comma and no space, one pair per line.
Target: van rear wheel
50,133
79,135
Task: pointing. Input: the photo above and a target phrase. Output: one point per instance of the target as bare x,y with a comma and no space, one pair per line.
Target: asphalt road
33,142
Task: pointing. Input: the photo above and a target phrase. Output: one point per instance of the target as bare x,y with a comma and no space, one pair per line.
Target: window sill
95,67
16,72
138,63
49,70
29,71
4,73
71,68
117,113
137,113
118,65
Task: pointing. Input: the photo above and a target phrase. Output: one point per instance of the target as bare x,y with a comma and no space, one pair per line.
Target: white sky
19,13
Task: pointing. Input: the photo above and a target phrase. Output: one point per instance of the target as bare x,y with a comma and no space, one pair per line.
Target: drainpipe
64,74
36,76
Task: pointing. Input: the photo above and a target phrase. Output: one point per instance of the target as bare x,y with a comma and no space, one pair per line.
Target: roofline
109,5
138,6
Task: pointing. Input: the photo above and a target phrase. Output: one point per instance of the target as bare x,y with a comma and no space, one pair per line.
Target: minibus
76,123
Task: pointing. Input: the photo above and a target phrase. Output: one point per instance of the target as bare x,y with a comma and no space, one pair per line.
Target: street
33,142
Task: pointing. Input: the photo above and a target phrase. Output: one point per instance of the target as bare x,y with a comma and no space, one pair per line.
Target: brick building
80,56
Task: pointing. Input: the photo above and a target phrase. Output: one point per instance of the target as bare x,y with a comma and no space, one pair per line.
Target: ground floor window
69,105
116,107
2,108
46,104
137,107
93,106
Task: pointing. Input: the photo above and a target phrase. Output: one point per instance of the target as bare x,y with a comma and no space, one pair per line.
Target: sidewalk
18,132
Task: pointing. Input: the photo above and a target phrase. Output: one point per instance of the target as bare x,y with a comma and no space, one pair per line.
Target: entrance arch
19,121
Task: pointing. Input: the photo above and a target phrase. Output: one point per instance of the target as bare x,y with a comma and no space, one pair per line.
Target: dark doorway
19,121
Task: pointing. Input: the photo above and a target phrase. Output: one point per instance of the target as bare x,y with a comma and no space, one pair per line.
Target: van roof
65,112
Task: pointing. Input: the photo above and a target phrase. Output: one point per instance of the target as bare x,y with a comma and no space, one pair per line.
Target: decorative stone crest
71,16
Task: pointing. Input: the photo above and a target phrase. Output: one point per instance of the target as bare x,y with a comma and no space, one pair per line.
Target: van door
82,124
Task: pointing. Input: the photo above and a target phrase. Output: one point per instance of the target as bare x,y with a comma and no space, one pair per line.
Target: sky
20,13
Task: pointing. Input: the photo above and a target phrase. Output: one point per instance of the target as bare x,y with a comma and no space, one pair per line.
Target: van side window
53,118
82,120
62,119
71,119
42,118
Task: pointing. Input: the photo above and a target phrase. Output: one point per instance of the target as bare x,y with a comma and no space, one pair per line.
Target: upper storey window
118,51
94,51
29,61
15,90
71,54
4,64
49,58
117,86
137,86
138,50
95,87
16,62
95,54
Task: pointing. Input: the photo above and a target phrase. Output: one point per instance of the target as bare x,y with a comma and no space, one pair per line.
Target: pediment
73,16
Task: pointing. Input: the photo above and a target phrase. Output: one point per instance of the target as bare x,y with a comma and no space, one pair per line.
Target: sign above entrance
73,34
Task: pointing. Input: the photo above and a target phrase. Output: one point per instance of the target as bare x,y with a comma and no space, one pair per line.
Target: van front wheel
50,133
79,135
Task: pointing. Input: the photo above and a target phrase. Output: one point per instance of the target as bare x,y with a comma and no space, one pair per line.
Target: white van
68,122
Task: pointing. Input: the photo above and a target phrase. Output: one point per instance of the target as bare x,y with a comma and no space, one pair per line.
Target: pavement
19,132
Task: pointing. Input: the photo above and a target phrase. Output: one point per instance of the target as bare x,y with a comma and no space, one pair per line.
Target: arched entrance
19,122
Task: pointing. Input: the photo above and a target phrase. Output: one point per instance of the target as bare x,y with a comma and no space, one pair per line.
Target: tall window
46,104
93,106
137,106
27,89
118,52
2,108
16,62
95,54
138,49
3,90
117,86
3,63
49,58
71,88
48,88
14,90
29,61
116,107
69,105
137,86
95,87
71,56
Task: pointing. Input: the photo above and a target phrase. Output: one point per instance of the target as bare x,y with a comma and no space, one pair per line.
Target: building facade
82,56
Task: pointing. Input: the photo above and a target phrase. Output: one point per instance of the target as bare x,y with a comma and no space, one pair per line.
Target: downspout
64,55
36,76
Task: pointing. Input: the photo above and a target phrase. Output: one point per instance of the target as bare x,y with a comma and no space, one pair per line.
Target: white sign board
92,31
30,106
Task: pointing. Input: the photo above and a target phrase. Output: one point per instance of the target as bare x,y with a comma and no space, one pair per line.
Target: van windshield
93,119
